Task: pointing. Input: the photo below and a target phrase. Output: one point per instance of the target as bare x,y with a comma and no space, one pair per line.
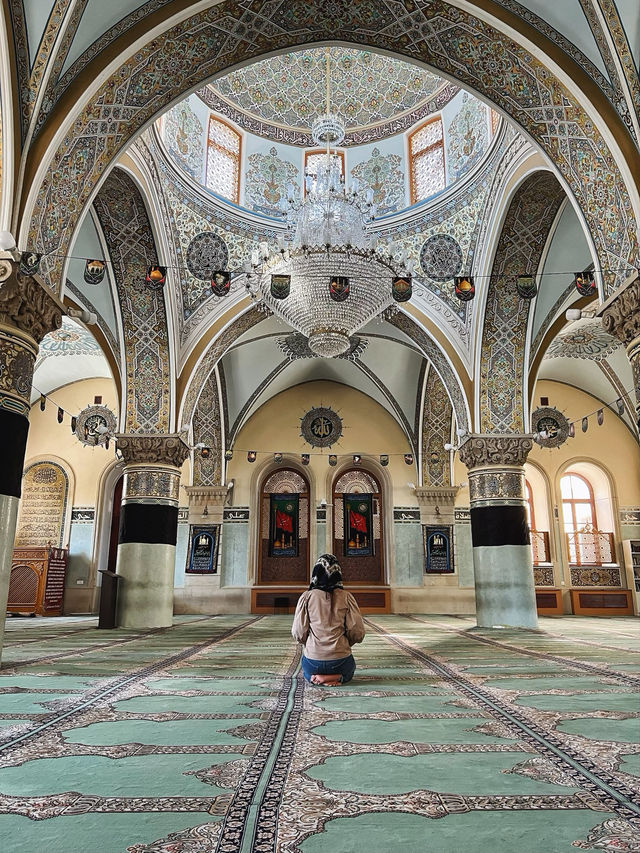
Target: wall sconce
205,511
357,459
251,456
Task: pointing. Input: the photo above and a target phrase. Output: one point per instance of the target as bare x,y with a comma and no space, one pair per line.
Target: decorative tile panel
232,33
127,230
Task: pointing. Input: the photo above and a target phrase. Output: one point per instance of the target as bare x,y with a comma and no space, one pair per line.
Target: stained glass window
426,158
223,159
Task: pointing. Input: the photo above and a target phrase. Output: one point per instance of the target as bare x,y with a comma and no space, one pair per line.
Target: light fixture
205,511
329,278
251,456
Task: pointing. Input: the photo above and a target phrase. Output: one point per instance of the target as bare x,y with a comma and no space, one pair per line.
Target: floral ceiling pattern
366,88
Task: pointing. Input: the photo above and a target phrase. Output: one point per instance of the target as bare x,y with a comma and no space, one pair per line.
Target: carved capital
207,495
436,496
621,312
480,451
27,305
141,448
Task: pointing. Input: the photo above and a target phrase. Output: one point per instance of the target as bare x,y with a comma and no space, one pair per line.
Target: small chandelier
328,277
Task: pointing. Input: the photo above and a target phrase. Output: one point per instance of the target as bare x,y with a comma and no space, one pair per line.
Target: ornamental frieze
496,487
479,451
26,305
158,484
144,448
621,314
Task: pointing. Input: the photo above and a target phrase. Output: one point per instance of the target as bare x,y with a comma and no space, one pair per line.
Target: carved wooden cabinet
37,580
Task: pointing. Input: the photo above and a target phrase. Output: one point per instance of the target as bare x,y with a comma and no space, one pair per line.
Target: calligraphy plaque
438,549
203,549
43,505
321,427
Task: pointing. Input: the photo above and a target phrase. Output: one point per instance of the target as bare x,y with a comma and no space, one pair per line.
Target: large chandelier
328,277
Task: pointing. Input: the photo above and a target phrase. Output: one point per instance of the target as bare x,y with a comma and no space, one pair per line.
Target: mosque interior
281,278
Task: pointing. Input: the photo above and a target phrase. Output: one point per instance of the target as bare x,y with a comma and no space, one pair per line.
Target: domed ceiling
376,96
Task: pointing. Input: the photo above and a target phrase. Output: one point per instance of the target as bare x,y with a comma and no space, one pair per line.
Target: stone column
148,528
621,317
27,313
502,560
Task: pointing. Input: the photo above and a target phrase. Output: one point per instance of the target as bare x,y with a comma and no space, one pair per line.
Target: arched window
579,518
426,160
316,156
223,159
531,518
578,507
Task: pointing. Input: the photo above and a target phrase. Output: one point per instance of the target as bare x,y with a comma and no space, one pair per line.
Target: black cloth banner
14,429
150,523
499,525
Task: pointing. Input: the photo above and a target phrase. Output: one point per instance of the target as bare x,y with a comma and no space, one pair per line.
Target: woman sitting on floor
327,622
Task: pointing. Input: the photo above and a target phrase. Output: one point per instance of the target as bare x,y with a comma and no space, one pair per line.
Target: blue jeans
340,666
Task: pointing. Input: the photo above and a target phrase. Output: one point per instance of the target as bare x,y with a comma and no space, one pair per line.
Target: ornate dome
374,95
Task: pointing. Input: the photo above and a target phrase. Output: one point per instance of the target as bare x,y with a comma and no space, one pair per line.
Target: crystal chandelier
328,278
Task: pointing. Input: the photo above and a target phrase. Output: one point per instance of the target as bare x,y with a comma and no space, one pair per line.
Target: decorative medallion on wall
584,339
297,346
441,257
95,424
206,253
550,427
321,427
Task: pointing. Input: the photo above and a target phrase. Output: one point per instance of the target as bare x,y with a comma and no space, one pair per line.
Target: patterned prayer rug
204,738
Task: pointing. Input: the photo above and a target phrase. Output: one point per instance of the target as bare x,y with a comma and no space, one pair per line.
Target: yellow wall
611,445
367,429
47,437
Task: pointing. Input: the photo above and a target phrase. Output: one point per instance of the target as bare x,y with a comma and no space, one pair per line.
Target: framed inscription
204,541
438,549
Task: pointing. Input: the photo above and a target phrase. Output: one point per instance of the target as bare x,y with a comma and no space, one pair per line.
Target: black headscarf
326,574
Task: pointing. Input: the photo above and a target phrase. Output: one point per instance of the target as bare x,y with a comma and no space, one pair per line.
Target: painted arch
130,93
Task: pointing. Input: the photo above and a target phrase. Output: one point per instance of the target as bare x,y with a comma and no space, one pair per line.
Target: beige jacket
327,624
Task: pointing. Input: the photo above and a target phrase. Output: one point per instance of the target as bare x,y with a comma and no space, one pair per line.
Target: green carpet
204,738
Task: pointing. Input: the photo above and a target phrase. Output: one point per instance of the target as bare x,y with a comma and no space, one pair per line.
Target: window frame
427,149
238,157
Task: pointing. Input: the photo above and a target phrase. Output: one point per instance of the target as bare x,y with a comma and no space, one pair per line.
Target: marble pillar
621,318
27,313
502,559
148,528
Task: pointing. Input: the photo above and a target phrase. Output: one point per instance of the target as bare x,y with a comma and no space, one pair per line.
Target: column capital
494,449
153,448
26,305
621,312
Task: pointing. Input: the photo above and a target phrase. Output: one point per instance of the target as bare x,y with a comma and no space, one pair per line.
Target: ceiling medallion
441,257
321,427
95,425
550,427
206,254
296,346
